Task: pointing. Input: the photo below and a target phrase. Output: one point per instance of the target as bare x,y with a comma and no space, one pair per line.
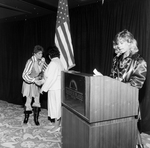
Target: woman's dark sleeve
139,74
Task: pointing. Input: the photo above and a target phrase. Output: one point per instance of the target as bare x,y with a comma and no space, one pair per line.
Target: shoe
54,130
139,146
36,111
51,120
26,118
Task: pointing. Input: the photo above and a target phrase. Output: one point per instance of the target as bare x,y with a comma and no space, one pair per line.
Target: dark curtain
93,28
17,40
86,30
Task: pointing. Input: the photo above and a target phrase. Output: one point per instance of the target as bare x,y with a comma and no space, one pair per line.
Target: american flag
63,37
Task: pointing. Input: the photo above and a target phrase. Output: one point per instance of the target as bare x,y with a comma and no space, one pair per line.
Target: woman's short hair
53,51
38,48
125,35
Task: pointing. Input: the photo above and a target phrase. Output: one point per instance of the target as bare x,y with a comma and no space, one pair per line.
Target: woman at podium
128,65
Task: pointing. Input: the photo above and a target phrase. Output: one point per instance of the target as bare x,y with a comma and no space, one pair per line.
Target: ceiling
14,10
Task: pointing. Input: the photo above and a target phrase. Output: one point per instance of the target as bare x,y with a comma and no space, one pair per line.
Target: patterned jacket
132,69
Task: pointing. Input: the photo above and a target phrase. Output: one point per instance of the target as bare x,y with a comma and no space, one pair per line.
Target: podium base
77,133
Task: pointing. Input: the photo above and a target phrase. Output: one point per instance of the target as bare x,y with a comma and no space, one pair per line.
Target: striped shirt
28,69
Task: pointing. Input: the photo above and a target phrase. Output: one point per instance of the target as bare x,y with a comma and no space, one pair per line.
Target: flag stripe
60,42
65,43
61,57
68,39
62,39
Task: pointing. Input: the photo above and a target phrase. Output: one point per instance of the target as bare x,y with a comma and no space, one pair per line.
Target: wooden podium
98,112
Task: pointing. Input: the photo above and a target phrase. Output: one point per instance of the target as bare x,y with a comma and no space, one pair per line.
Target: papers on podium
97,73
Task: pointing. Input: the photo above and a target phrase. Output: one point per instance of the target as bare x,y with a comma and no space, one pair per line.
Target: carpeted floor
146,140
14,134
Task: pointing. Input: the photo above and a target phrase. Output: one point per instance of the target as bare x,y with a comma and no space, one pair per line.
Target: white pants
54,103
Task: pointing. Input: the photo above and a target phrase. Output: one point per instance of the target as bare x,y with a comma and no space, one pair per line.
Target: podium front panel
75,92
98,98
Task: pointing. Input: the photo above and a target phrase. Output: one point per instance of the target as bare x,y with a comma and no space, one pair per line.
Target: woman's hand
39,82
